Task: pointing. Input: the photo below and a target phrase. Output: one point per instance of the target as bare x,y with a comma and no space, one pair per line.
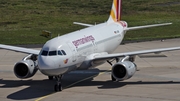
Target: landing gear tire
112,78
50,77
58,86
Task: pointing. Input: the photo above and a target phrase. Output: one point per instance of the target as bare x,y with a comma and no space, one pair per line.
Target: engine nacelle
123,70
25,69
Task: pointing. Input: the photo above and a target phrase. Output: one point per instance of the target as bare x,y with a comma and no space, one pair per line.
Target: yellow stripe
115,3
41,98
85,79
113,15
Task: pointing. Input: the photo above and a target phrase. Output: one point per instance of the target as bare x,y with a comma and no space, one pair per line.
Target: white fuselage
79,48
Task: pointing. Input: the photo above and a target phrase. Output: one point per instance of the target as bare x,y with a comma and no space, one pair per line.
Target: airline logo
115,14
66,61
84,40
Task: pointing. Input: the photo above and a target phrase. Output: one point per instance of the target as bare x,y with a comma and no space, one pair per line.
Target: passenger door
72,48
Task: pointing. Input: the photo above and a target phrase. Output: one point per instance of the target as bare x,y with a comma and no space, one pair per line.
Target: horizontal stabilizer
146,26
82,24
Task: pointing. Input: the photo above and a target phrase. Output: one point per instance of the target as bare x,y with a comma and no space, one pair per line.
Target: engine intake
123,70
25,69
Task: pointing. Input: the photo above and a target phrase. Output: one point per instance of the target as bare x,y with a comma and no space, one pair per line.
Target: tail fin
115,14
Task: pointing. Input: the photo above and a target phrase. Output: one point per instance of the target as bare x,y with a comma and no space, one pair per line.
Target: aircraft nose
45,63
49,66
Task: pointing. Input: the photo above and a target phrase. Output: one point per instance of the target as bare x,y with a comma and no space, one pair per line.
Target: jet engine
25,68
123,70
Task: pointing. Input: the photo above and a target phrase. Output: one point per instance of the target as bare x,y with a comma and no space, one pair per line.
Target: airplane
84,49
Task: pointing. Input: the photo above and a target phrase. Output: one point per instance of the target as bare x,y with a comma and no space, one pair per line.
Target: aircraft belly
57,71
89,64
85,65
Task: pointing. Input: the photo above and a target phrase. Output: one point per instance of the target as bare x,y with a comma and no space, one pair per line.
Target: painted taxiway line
41,98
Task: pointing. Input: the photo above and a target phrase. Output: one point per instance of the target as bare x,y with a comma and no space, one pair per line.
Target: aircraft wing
20,49
110,56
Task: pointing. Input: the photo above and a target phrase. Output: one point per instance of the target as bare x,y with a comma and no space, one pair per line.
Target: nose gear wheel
58,86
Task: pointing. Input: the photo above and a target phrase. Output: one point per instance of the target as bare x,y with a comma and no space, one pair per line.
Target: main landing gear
58,85
50,77
112,78
110,62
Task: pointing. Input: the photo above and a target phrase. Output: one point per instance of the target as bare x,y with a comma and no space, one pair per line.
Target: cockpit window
52,53
63,52
44,53
59,52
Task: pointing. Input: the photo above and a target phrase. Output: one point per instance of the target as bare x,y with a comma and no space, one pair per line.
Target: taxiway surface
157,79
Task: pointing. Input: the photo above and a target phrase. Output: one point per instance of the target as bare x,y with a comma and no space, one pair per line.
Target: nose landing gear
58,86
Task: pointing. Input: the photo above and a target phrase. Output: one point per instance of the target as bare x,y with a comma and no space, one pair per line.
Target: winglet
115,14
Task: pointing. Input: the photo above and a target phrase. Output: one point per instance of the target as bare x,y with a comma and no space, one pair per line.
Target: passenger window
63,52
44,53
59,52
52,53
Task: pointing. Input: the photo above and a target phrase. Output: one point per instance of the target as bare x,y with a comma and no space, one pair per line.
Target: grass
22,21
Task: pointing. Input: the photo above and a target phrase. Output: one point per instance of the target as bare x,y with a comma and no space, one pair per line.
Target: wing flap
20,49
